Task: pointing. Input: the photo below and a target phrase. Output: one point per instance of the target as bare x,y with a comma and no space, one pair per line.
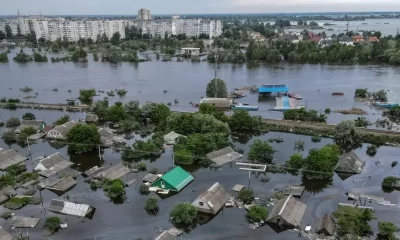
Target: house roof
290,210
215,197
4,235
10,157
91,117
350,163
223,156
326,223
177,178
93,170
24,222
113,172
66,127
357,37
32,123
62,184
150,178
69,208
49,162
2,150
47,129
237,188
165,236
296,191
9,191
171,137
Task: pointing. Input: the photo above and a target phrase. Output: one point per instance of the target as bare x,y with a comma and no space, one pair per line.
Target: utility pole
216,58
348,22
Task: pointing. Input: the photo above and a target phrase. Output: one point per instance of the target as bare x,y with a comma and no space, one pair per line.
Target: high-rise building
144,14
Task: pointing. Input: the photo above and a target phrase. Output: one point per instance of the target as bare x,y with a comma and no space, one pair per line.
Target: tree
313,24
257,214
28,116
386,231
79,55
323,159
347,136
183,157
116,113
52,224
261,152
206,108
183,213
393,114
151,205
144,189
37,57
83,138
13,122
3,58
24,134
241,121
216,88
189,123
86,95
115,190
246,195
300,22
104,38
8,137
95,57
353,221
157,113
115,38
62,120
390,183
8,30
2,35
90,41
295,161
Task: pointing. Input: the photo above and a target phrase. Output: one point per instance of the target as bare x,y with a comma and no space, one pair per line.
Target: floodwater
186,82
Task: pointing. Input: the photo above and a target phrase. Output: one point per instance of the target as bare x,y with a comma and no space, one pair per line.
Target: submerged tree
183,213
261,152
216,88
386,231
83,138
347,136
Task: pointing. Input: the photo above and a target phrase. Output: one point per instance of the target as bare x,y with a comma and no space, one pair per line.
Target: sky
130,7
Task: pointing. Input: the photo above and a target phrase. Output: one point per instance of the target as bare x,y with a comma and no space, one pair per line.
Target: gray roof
66,127
215,197
296,191
2,150
165,236
290,210
171,137
9,191
106,138
150,178
350,163
4,235
237,188
223,156
113,172
56,168
10,157
49,162
91,118
24,222
69,208
325,225
93,170
32,123
62,184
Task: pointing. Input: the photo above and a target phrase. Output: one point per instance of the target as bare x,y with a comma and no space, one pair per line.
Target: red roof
311,35
316,39
47,129
357,37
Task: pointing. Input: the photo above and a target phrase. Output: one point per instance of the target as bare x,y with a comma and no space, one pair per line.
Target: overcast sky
130,7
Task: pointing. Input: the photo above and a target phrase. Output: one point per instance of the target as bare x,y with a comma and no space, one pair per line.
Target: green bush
52,224
304,115
6,215
13,122
246,195
390,182
144,189
257,213
17,203
183,213
151,205
394,163
316,139
114,189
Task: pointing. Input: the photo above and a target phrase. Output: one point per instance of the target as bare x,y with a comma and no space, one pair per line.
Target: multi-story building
13,25
144,14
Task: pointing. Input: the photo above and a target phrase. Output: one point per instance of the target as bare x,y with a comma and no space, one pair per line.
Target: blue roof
273,88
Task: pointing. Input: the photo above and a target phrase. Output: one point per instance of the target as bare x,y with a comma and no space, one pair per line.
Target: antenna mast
216,57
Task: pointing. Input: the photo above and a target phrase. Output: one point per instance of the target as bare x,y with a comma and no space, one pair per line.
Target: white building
144,14
13,25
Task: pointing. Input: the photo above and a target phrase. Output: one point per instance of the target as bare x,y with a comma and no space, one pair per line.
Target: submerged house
62,185
174,180
348,165
114,172
287,213
325,225
60,132
91,118
212,200
24,222
70,208
165,236
171,137
39,125
7,193
218,102
224,156
52,164
10,157
108,139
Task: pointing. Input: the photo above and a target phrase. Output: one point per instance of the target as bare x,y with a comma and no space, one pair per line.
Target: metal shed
24,222
91,118
70,208
349,164
288,212
212,200
224,156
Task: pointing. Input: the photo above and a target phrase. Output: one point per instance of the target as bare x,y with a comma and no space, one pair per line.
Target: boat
240,106
337,94
295,96
386,104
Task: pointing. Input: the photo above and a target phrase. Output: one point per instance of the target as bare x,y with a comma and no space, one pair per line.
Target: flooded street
187,82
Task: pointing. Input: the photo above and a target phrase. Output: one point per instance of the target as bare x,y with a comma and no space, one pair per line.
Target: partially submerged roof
36,124
4,235
62,185
171,137
2,150
7,193
165,236
24,222
57,168
215,197
65,128
10,157
70,208
290,210
150,178
270,88
91,117
325,225
237,188
52,164
296,191
350,163
177,178
113,172
107,139
223,156
92,171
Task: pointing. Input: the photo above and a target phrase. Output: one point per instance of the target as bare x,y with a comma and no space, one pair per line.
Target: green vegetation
115,190
327,111
296,161
79,55
347,136
261,152
10,106
257,214
52,224
86,95
142,150
371,150
362,122
188,123
394,163
16,203
299,145
95,57
22,57
144,189
316,139
323,159
37,57
183,157
122,92
246,195
183,213
151,205
390,183
216,88
241,121
393,114
82,138
386,231
13,122
24,134
6,215
353,222
3,58
304,115
62,120
206,108
28,116
26,89
361,93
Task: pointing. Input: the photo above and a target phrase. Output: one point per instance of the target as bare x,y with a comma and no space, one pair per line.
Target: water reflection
316,183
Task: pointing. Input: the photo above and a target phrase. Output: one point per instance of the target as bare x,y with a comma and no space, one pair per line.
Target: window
201,203
162,184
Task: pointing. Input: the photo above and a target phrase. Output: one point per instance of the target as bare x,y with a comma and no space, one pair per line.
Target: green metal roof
178,178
